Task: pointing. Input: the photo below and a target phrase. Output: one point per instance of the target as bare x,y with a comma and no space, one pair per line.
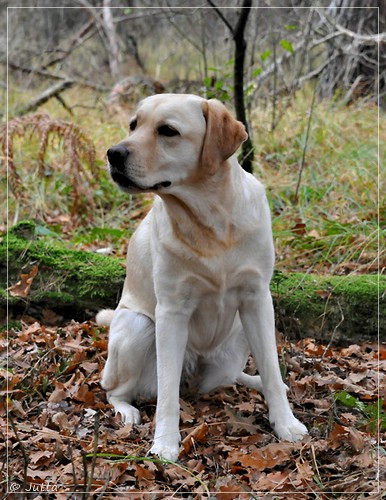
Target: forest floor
63,438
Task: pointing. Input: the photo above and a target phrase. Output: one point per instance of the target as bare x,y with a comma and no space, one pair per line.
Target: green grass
339,186
333,226
373,415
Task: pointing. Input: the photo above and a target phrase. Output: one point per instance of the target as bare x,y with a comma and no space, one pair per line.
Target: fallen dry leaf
60,420
266,457
198,434
57,395
40,458
61,414
142,473
22,287
84,395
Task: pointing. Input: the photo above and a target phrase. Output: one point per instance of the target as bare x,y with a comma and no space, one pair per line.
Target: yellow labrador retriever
196,298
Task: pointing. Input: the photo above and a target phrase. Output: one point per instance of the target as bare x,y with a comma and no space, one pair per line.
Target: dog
196,299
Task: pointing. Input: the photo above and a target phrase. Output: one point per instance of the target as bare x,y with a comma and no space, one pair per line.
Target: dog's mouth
126,183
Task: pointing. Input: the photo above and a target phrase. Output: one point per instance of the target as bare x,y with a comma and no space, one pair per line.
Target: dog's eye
133,125
168,131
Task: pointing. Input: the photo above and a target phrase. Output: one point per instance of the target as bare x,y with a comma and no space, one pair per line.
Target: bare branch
53,91
180,31
35,71
55,76
222,17
75,41
378,38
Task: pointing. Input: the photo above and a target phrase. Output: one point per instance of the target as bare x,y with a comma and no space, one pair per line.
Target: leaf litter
61,433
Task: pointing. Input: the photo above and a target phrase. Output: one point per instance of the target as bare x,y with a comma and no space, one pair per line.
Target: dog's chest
212,320
213,299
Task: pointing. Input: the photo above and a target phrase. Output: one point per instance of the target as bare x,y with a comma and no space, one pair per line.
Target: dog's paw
290,430
129,414
257,383
165,450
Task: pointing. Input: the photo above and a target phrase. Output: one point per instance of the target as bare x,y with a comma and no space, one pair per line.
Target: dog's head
174,138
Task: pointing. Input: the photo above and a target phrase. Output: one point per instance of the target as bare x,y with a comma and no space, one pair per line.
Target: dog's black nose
117,156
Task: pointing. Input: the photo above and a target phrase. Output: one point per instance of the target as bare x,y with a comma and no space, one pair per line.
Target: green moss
354,288
12,325
347,307
351,306
64,277
25,229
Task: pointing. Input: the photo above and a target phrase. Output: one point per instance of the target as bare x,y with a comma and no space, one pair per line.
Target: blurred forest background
309,83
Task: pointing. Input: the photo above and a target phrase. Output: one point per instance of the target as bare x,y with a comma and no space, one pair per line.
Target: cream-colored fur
196,299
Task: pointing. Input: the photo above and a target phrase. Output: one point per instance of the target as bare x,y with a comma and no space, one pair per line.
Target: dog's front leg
257,317
171,339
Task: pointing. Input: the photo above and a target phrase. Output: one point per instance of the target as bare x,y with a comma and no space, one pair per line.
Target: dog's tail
104,317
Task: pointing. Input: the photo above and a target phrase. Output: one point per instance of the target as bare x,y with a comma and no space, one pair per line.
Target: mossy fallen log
348,308
76,284
71,283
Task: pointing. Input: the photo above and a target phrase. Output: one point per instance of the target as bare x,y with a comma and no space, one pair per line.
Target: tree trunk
109,28
240,50
238,32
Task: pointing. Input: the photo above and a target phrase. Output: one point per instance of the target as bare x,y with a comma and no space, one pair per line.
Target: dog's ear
224,134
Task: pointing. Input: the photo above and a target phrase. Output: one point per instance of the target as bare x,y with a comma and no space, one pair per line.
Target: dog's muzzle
117,156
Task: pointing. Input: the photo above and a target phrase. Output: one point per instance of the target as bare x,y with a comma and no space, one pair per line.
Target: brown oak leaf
23,286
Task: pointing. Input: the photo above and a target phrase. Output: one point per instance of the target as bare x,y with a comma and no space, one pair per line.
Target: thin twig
71,455
22,449
94,455
302,165
73,43
223,18
334,331
85,476
179,29
274,86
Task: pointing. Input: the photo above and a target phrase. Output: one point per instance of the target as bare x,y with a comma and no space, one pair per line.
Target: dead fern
79,155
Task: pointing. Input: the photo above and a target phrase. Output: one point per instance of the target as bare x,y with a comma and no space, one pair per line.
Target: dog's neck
205,224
